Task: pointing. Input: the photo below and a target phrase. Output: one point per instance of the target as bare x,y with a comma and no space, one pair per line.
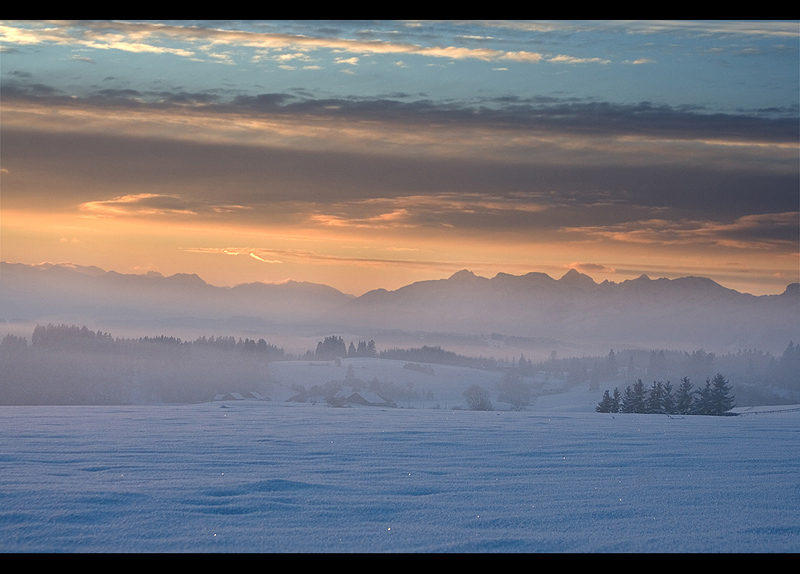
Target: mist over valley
78,335
574,310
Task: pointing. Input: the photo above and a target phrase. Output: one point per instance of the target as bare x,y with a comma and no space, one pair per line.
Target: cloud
782,29
471,159
152,205
771,231
136,204
254,256
396,218
11,35
378,180
522,56
562,59
641,126
318,258
150,37
304,255
435,210
351,61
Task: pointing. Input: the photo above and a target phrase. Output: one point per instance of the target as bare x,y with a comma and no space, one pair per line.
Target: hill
690,312
68,293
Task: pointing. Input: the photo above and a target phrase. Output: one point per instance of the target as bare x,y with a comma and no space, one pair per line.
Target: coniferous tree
635,398
639,396
606,404
626,406
702,405
667,400
684,402
655,398
719,400
610,403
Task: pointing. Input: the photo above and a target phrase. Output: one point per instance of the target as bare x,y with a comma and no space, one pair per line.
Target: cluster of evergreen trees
713,399
334,347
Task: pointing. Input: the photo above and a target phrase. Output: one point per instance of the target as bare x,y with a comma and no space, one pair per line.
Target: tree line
94,366
438,356
715,398
82,338
65,364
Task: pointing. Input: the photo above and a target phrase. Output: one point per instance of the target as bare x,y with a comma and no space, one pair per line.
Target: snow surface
272,476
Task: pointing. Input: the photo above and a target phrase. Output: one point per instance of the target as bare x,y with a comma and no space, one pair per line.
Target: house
365,398
344,396
238,397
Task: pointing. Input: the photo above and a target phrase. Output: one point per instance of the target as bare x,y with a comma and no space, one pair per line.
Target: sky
373,154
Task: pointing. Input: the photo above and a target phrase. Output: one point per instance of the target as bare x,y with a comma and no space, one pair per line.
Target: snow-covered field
272,476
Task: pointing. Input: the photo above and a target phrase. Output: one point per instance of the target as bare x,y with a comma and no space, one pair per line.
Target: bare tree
478,398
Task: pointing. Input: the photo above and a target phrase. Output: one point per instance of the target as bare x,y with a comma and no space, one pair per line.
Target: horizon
368,155
560,277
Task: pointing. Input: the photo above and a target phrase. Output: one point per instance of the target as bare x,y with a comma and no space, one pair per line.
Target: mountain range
685,313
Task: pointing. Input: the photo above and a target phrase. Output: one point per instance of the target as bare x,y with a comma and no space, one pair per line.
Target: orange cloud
152,205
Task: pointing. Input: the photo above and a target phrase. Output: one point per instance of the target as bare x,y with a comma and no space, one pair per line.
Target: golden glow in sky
367,155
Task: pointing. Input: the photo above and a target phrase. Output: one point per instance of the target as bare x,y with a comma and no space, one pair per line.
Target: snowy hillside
441,386
403,384
276,476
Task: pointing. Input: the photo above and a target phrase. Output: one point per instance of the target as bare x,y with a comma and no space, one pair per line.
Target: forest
67,364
